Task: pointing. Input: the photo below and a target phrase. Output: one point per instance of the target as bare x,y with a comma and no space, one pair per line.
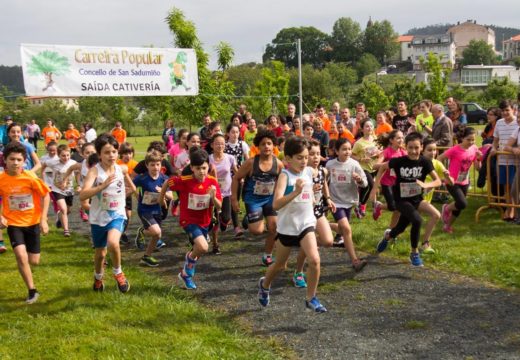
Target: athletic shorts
342,213
100,233
25,235
502,174
194,231
69,199
294,240
128,203
149,219
256,213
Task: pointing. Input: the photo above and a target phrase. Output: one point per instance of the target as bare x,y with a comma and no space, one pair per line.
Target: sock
32,292
191,257
98,276
117,271
266,255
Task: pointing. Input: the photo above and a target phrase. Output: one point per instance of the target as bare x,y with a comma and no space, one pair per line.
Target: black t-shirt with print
401,123
407,171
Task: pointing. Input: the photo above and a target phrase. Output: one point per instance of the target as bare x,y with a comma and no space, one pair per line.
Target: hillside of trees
11,77
501,33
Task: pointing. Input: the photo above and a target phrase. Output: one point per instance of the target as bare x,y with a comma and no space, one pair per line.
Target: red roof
516,38
405,38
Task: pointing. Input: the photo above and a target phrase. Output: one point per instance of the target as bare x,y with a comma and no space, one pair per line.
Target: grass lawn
153,320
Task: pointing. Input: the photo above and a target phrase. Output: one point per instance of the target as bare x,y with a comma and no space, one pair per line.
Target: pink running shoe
446,214
83,216
377,210
447,229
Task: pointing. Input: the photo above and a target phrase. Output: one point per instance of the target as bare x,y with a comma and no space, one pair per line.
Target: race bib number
150,198
463,176
50,134
410,190
262,188
22,202
341,176
305,196
111,202
221,183
71,141
198,202
371,151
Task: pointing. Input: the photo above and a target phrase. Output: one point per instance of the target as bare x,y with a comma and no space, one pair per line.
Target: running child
461,157
224,165
62,192
47,174
199,193
240,150
260,174
126,157
32,162
107,184
322,202
293,199
346,177
149,186
410,173
24,212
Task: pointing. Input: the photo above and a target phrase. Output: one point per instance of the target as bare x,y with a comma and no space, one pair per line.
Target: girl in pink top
461,157
392,143
179,147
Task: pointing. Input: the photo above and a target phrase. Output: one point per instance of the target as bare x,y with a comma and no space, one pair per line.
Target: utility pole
300,92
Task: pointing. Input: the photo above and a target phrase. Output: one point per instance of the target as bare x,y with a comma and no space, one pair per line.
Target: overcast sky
247,25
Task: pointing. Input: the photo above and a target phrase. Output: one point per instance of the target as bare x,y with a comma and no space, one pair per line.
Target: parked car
474,113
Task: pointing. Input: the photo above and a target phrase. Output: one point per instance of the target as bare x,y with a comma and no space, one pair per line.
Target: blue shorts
502,174
100,233
342,213
256,212
194,231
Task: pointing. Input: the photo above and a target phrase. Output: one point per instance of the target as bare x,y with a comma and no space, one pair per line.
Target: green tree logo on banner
48,63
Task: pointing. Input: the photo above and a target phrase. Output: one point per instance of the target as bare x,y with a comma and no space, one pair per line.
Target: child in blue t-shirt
148,208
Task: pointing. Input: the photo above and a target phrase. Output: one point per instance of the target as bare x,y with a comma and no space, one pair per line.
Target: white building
480,75
68,102
441,45
511,47
405,47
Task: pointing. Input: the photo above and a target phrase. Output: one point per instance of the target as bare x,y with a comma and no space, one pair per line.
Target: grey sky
247,25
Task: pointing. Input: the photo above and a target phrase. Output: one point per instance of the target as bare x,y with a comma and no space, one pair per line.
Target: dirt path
389,311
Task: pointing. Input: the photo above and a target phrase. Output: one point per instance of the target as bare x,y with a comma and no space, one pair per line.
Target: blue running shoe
160,244
416,260
315,305
189,266
263,294
299,280
187,281
381,246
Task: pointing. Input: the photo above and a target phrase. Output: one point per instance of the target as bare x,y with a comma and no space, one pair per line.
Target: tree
437,90
408,90
271,93
244,77
380,40
315,47
346,40
367,64
498,90
48,63
373,96
478,52
343,74
225,54
516,61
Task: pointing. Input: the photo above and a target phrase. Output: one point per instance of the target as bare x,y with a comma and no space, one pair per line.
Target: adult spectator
204,130
242,110
50,133
274,125
455,113
291,114
335,110
442,130
168,134
72,137
361,108
32,131
401,120
90,133
119,133
493,114
347,120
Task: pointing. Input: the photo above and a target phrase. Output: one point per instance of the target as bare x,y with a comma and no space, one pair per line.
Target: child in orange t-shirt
72,135
24,212
50,133
382,126
119,133
344,133
126,157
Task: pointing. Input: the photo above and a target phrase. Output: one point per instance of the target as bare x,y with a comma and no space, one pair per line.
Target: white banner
62,70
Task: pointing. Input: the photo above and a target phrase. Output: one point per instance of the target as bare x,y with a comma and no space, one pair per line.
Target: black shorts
69,199
257,213
128,203
26,235
294,240
149,219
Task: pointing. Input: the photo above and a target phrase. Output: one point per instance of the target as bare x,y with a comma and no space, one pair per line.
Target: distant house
511,47
480,75
405,47
463,33
69,102
441,45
